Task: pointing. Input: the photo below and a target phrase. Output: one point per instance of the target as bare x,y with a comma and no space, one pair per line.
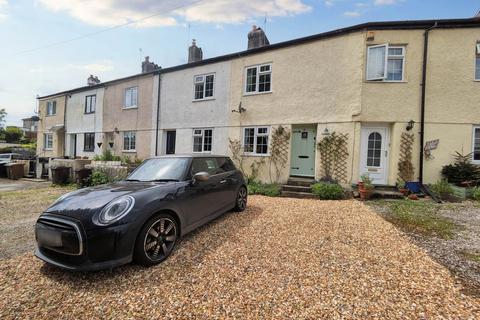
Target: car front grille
60,235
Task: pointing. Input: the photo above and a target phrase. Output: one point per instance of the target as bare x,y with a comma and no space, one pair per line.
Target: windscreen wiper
164,180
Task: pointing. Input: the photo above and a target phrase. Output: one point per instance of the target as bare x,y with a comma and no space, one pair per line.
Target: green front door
303,151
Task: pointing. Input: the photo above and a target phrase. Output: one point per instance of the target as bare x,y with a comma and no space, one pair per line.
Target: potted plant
401,187
366,187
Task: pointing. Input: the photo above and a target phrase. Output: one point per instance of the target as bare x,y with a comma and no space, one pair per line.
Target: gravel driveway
282,258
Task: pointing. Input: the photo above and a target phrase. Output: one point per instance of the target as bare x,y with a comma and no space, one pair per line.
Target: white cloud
91,68
3,9
329,3
384,2
114,12
361,5
351,14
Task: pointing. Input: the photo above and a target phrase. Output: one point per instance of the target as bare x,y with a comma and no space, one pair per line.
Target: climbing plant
280,140
236,150
405,164
333,152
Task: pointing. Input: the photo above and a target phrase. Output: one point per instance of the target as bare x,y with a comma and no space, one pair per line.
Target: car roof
200,155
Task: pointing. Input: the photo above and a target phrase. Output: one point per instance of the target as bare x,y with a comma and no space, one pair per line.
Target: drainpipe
158,115
422,107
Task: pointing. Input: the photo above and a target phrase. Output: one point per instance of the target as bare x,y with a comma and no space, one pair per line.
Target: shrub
442,187
367,182
99,177
13,134
107,155
476,193
461,170
327,191
266,189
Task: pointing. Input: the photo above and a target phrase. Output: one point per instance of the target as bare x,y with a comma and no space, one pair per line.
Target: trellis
279,150
405,165
333,150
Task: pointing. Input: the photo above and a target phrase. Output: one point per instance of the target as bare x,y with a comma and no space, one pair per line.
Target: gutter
423,99
158,114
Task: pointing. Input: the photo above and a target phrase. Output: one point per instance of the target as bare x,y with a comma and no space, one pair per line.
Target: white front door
374,154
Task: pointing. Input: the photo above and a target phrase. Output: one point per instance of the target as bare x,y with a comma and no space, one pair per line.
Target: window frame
255,136
204,82
91,134
257,81
388,57
91,110
53,103
129,149
476,76
45,135
475,127
202,134
133,106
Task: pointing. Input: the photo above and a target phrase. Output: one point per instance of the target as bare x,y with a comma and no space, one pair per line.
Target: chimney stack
93,80
194,53
148,66
257,38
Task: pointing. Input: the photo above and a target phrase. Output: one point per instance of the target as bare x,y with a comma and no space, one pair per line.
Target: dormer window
204,86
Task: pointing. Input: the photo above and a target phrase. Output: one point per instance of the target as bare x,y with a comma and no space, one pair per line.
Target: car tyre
241,200
156,240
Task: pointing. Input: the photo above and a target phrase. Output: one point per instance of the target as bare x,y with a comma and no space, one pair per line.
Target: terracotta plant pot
404,191
361,185
365,194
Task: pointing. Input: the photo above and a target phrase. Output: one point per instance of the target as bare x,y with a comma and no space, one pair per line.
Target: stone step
299,195
302,182
294,188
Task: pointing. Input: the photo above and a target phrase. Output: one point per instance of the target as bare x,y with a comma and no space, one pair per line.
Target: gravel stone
281,258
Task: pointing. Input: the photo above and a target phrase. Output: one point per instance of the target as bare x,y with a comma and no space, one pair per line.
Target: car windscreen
160,169
4,156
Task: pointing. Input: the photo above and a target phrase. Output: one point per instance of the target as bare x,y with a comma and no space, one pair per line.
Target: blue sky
219,26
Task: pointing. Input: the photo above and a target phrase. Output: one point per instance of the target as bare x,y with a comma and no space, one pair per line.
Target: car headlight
115,210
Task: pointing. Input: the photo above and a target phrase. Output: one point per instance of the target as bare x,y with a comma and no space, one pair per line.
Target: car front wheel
156,240
241,201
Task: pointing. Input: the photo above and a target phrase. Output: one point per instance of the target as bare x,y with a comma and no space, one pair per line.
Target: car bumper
63,242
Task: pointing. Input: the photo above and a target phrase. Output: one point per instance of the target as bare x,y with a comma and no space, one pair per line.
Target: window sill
89,113
256,93
51,115
476,80
88,151
256,155
202,152
46,149
205,99
385,81
132,107
129,151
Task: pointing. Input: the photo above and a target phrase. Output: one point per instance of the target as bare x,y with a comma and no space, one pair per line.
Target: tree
13,134
3,114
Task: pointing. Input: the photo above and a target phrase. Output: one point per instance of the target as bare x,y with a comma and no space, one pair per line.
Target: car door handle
223,181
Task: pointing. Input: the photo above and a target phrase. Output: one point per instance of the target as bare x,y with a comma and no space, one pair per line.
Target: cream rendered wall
46,124
179,110
117,119
78,122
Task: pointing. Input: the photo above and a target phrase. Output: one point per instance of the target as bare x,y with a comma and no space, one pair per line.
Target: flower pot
365,194
404,191
361,185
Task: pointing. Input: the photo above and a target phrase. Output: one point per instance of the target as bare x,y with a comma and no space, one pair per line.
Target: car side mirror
201,176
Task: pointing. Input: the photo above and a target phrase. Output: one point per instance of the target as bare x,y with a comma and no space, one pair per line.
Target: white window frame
385,66
255,135
45,139
257,82
50,109
129,141
204,81
93,104
201,134
477,60
475,127
132,106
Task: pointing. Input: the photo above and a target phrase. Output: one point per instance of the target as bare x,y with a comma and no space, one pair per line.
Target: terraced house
388,89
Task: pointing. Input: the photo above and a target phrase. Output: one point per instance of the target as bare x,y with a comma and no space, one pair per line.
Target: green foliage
3,114
13,134
266,189
99,177
367,182
333,154
327,191
238,158
461,170
442,187
6,150
278,152
476,193
107,155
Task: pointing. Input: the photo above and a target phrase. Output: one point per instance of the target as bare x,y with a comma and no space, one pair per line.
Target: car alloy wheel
160,239
241,199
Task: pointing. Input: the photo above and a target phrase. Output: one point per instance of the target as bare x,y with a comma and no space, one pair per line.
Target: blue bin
413,186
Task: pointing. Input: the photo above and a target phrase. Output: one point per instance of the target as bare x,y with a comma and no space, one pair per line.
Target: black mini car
141,218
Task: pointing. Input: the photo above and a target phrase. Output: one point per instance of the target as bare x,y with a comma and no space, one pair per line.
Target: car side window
225,165
204,165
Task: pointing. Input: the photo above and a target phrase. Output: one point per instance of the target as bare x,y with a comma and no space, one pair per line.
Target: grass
418,216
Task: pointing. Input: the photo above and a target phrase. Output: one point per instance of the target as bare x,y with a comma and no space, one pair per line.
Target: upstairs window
90,102
130,100
255,140
385,63
258,79
89,141
202,140
51,108
129,140
477,62
204,86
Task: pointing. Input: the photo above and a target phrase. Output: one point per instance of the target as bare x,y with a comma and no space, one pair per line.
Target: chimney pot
257,38
148,66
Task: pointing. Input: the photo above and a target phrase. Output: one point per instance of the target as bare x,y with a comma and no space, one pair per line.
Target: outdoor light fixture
410,125
110,144
326,132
